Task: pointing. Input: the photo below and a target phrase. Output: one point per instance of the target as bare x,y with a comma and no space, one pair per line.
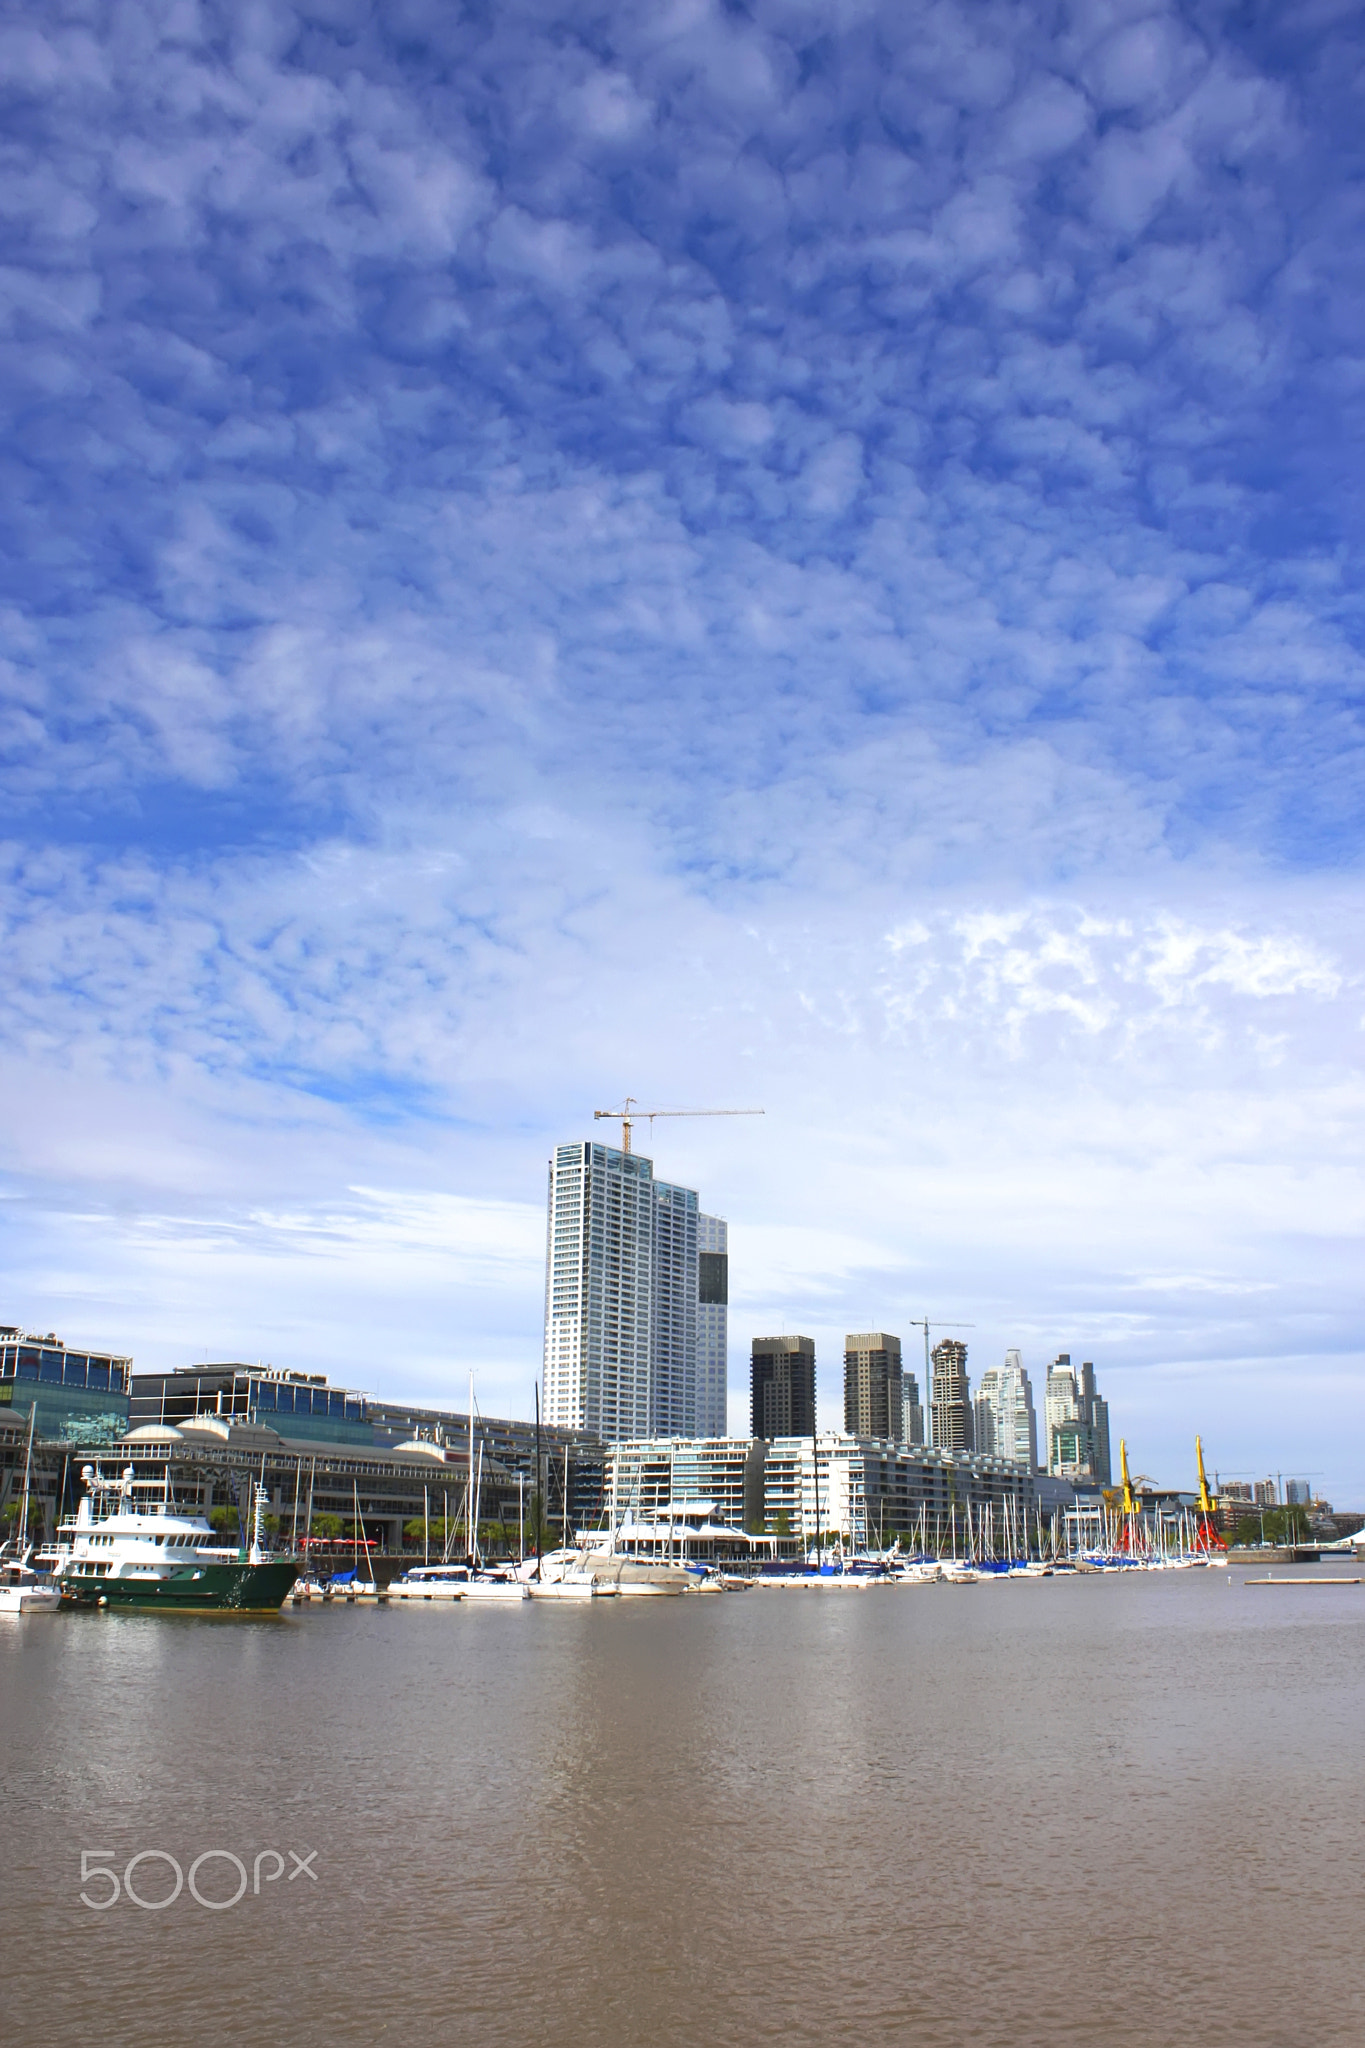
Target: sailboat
22,1589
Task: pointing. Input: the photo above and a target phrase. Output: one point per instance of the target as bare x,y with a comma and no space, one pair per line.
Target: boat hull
205,1589
28,1600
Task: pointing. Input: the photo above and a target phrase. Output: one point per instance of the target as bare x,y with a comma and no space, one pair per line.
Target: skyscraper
621,1297
1077,1424
911,1408
673,1313
782,1387
1095,1412
952,1403
1003,1419
873,1399
713,1315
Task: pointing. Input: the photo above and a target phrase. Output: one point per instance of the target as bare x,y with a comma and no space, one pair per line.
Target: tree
783,1525
328,1527
1274,1525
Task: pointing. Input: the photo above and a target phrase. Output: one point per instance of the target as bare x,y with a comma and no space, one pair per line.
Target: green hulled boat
122,1551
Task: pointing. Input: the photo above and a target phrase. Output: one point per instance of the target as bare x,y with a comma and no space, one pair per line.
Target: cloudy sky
803,555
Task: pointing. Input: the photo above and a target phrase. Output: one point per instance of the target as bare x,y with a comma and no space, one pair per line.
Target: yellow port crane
1210,1536
1130,1499
1207,1504
630,1113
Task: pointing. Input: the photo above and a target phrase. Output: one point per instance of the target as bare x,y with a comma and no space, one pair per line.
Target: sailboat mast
540,1483
28,1461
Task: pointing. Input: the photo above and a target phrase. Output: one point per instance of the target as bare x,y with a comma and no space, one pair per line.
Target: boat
494,1586
568,1589
560,1575
443,1582
350,1586
449,1582
308,1587
129,1546
26,1591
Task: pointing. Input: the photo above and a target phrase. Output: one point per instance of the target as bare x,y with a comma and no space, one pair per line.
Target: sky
790,556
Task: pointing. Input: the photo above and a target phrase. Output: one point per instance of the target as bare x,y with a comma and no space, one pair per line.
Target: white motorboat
26,1591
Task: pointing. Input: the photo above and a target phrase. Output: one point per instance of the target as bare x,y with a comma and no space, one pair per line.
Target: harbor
740,1808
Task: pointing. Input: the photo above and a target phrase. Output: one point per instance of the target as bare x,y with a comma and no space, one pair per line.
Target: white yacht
130,1546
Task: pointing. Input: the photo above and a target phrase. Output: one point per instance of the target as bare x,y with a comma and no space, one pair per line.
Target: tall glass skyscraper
1005,1425
623,1306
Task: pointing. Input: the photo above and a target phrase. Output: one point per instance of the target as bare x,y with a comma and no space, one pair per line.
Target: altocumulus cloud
796,554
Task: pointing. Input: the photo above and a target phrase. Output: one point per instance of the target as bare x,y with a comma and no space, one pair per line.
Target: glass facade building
298,1405
1005,1425
628,1319
76,1395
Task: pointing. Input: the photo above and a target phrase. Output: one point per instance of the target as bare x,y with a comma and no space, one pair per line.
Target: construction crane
923,1323
629,1114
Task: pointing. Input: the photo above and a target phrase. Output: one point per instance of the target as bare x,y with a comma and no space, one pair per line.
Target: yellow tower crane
630,1114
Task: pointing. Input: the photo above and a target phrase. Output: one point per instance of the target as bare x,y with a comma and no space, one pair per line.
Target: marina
694,1785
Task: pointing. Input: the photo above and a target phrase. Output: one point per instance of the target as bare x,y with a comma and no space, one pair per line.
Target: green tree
328,1527
783,1525
1274,1525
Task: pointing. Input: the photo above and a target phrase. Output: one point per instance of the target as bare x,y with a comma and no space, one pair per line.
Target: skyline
786,556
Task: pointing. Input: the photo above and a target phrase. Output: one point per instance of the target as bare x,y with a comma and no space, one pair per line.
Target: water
1019,1813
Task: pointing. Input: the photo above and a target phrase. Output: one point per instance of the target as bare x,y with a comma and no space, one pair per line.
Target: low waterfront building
641,1479
78,1395
321,1452
869,1491
293,1403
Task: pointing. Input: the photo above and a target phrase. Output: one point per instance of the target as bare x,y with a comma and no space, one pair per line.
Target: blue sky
781,554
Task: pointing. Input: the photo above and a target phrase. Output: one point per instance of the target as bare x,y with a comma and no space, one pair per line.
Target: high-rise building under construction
622,1296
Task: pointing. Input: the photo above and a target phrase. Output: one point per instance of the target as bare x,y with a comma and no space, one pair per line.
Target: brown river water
1065,1811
